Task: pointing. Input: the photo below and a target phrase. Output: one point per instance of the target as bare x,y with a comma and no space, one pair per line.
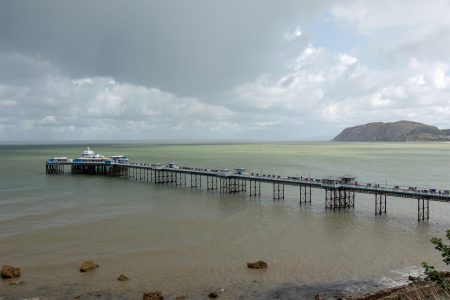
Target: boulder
88,266
122,278
412,278
213,295
10,272
153,295
180,297
260,264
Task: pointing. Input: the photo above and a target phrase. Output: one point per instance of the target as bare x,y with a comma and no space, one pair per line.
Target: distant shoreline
159,142
211,143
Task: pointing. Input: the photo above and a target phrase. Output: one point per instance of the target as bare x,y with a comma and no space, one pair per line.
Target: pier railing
339,193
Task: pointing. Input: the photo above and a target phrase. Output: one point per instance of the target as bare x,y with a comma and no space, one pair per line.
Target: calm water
193,241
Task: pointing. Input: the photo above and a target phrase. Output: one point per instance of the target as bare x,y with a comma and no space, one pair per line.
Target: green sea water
192,241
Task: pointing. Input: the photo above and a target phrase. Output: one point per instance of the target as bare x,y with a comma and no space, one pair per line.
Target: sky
279,70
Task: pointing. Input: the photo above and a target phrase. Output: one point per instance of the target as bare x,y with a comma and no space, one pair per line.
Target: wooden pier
339,192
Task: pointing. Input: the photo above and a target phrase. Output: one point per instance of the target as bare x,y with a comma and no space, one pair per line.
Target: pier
339,192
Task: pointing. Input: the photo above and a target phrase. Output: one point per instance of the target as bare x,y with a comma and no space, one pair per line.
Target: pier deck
339,192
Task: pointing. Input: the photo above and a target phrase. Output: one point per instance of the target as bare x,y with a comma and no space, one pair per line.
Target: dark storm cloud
190,48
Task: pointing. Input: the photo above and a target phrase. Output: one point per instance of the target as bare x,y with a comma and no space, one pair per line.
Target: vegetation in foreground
440,277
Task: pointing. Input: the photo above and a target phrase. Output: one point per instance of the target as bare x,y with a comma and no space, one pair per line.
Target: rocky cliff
401,131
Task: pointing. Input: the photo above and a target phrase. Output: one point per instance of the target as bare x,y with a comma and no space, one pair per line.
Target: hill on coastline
400,131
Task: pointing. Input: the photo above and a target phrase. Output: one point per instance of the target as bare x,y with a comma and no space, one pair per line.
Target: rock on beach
260,264
122,277
153,295
10,272
88,266
213,295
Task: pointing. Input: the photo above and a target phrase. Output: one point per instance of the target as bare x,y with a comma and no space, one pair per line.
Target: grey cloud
21,68
190,48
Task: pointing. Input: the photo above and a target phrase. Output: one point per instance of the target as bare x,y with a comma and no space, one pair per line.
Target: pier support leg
278,191
211,183
158,176
196,181
333,198
215,184
328,201
233,185
182,179
224,185
336,199
243,185
305,194
255,188
347,198
351,199
423,209
380,204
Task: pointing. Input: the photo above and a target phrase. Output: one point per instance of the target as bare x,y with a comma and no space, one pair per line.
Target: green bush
430,271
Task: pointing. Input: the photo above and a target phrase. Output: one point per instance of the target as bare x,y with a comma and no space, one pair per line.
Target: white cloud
396,31
379,101
100,107
440,80
347,59
369,16
303,87
47,120
82,81
293,35
323,88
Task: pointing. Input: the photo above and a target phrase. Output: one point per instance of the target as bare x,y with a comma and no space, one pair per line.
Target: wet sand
19,288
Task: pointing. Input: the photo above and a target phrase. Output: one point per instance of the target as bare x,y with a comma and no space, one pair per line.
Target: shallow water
192,241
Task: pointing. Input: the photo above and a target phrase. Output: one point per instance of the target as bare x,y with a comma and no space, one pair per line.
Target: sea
191,241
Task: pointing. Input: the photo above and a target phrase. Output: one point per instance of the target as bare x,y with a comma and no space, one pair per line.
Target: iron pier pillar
196,181
305,192
255,188
380,204
278,191
423,209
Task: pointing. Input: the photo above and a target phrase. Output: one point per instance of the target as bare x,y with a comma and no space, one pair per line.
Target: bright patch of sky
327,33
